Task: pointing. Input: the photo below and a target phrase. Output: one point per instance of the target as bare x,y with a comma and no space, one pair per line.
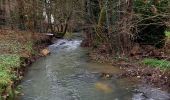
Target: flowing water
67,74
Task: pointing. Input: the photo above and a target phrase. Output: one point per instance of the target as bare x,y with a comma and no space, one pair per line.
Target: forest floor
18,49
148,64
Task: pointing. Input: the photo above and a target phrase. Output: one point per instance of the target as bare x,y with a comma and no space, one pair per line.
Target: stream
68,74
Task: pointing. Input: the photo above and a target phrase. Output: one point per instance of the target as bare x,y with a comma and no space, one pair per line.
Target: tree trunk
21,14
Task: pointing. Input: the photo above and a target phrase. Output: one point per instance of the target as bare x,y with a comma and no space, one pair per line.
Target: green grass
162,64
5,78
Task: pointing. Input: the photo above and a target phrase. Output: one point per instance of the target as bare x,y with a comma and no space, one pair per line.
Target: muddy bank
131,68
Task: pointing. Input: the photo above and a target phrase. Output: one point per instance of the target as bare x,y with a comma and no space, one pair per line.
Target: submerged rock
103,87
106,75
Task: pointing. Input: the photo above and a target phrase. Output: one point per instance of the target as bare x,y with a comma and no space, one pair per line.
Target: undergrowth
13,46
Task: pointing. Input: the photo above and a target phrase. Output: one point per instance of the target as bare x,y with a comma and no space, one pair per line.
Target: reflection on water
66,75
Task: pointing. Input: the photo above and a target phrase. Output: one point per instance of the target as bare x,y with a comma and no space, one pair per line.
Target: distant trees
22,14
6,12
40,15
112,28
151,21
113,24
118,24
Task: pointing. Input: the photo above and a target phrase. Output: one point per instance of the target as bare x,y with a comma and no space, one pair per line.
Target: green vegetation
162,64
7,63
167,33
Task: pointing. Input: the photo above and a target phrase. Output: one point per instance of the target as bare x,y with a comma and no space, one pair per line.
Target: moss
162,64
102,18
100,28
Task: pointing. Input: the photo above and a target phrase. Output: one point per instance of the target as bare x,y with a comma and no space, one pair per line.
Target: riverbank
147,72
18,50
148,64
